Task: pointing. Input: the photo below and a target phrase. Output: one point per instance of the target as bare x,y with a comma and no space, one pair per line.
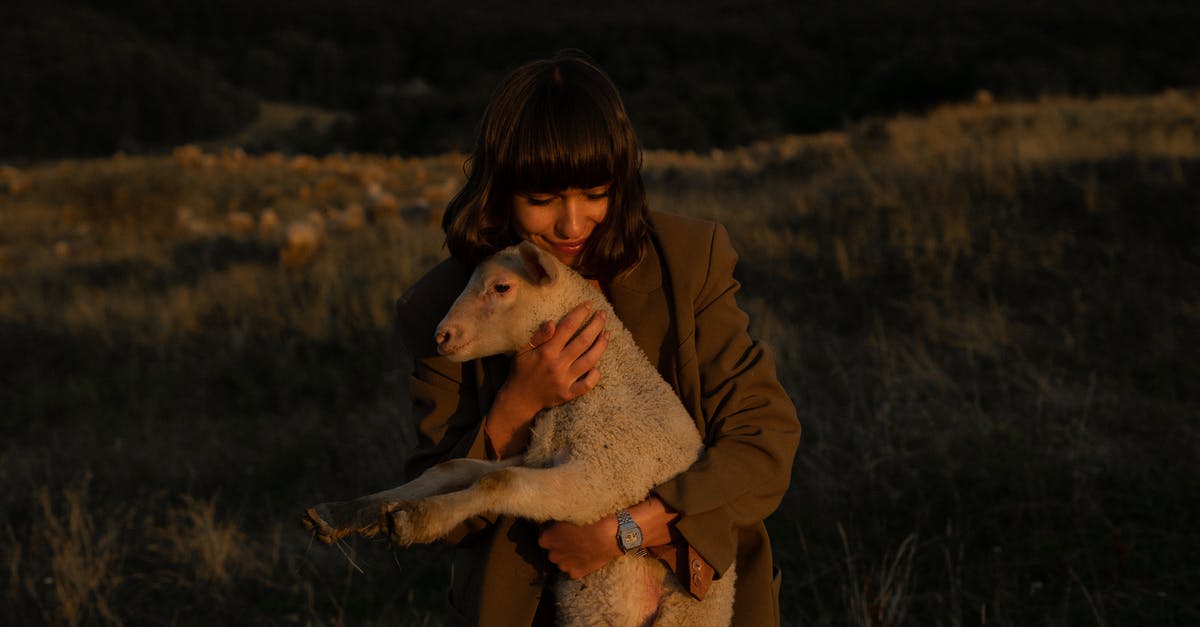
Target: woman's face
560,223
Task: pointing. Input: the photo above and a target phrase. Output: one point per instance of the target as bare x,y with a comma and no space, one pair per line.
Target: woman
556,162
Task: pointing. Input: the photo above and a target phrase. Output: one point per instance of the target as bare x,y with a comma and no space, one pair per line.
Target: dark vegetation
987,318
993,354
84,77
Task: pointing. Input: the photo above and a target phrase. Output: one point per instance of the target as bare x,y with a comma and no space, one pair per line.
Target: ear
541,267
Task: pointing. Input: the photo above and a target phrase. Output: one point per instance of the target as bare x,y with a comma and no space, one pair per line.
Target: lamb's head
507,298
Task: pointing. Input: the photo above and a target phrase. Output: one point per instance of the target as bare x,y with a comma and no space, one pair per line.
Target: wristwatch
629,535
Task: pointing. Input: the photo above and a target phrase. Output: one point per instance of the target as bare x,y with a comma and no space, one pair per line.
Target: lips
568,249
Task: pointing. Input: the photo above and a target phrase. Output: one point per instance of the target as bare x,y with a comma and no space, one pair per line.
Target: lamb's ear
538,263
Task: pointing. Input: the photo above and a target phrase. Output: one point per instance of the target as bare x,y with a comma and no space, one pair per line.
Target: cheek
528,220
600,211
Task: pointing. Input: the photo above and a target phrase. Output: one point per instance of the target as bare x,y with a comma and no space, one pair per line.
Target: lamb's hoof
399,528
315,521
410,523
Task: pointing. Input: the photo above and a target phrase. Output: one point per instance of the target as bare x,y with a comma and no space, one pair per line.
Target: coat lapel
640,302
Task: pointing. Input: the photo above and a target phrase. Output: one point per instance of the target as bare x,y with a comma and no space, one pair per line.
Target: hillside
89,78
985,314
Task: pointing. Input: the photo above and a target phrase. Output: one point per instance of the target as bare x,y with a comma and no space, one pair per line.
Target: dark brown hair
552,124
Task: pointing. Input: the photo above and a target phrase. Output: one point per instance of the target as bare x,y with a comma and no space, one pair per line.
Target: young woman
556,162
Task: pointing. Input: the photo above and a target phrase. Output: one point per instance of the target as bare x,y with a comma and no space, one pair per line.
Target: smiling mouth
569,248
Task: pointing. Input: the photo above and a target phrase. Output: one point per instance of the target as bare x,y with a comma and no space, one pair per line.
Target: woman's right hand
559,366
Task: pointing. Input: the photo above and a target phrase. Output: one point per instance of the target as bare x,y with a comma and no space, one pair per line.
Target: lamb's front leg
573,492
330,522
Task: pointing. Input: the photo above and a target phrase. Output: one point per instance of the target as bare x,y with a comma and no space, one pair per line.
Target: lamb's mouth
453,352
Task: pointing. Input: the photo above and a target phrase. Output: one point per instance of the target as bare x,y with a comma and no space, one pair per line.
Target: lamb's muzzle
448,338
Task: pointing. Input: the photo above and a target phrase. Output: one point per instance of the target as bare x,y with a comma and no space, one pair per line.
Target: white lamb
586,459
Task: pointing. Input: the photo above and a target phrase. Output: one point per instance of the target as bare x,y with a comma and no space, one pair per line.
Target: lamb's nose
444,337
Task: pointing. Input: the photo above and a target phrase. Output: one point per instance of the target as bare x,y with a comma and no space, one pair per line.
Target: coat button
696,578
696,565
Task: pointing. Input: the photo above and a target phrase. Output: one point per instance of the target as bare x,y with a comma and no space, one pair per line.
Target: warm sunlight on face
560,223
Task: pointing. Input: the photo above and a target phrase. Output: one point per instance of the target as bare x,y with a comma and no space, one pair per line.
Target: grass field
987,317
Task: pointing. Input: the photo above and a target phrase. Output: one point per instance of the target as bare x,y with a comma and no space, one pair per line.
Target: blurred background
969,232
91,78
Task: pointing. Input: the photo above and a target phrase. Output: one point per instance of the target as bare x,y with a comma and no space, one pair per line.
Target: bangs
562,139
552,125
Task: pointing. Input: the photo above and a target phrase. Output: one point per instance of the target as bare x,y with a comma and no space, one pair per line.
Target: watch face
631,538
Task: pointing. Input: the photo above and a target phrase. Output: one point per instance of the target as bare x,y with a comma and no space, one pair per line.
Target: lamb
600,453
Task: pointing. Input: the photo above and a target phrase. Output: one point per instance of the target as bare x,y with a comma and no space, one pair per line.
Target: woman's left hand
578,550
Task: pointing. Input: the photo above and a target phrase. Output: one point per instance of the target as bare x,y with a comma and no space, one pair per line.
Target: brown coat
679,304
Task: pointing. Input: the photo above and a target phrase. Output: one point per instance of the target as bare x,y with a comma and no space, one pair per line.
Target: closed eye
538,202
599,193
501,287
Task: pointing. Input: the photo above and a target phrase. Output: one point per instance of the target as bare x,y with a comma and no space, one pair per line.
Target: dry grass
984,316
211,550
880,596
85,558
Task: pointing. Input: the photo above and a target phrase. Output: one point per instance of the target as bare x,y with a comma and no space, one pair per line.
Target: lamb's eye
501,288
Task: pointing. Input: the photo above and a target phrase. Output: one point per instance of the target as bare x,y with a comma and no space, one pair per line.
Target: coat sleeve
444,398
751,429
445,412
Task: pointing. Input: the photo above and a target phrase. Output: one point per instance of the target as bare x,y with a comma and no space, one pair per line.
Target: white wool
626,436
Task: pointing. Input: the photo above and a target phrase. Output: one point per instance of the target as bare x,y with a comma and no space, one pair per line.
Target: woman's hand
579,550
559,366
561,362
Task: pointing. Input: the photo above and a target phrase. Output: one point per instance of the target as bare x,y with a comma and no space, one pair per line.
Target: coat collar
638,298
645,276
635,292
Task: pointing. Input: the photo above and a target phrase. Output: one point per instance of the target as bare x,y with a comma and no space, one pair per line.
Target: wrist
630,539
609,531
655,520
506,426
512,409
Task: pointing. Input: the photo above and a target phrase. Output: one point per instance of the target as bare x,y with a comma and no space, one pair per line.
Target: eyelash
538,202
501,288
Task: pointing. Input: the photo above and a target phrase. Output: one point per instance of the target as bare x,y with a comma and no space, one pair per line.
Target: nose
570,225
446,336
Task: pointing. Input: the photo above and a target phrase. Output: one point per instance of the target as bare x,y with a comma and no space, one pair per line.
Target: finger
591,357
543,537
543,334
540,336
586,337
569,324
585,383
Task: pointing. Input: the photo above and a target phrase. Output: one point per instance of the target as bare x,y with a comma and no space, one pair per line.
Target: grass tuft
85,558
